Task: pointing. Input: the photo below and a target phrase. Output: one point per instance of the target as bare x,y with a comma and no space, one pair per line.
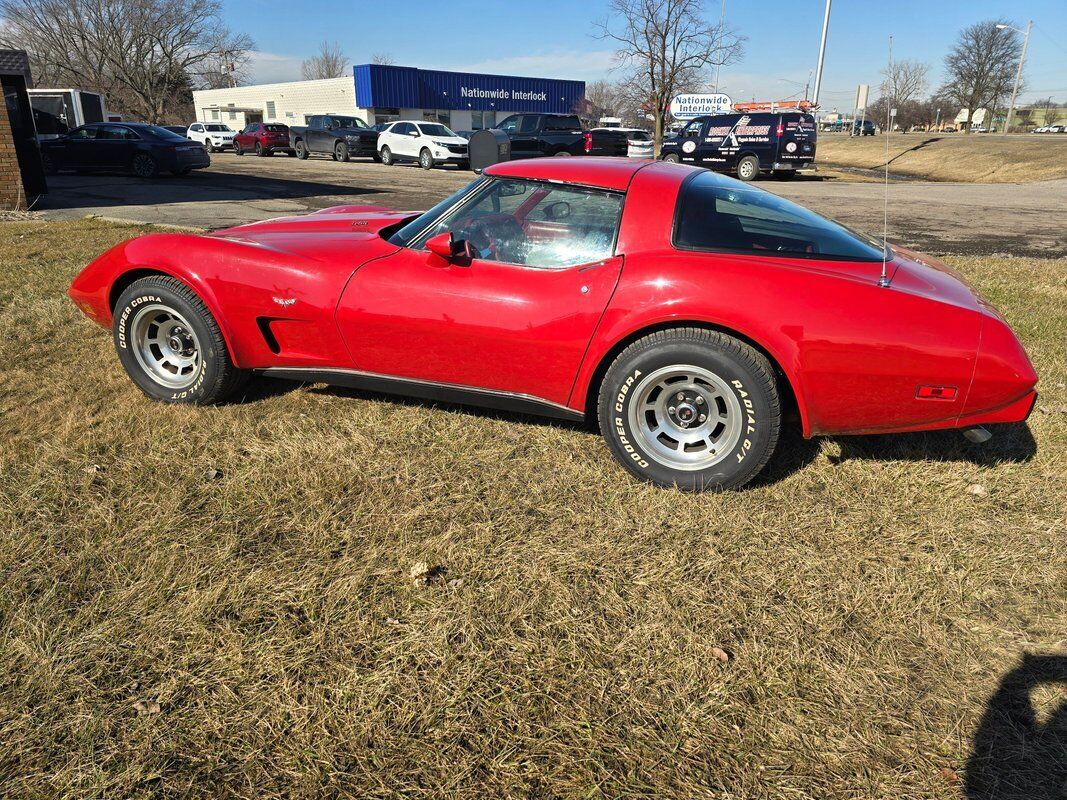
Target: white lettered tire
170,344
691,408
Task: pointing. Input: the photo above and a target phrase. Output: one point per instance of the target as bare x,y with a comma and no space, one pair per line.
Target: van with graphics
746,144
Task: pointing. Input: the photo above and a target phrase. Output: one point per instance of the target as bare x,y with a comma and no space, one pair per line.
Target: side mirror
451,249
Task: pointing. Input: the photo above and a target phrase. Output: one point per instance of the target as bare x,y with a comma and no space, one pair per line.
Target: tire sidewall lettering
120,329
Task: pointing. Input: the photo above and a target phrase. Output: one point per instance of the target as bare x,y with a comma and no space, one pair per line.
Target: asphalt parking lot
973,219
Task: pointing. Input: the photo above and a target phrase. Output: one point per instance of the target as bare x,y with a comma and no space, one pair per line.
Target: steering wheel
499,235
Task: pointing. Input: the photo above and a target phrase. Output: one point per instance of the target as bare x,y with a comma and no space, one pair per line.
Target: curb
141,222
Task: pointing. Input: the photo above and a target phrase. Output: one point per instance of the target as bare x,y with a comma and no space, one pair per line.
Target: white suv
427,143
213,135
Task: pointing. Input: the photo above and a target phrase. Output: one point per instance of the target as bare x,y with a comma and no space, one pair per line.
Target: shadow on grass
1010,444
1016,755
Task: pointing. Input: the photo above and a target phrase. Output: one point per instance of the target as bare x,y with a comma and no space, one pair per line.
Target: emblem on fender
284,301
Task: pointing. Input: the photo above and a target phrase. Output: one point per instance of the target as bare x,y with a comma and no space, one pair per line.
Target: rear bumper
793,165
1015,411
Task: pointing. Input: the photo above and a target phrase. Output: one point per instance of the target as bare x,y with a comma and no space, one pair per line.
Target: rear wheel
387,156
426,159
340,152
259,150
748,168
302,150
144,166
170,345
691,408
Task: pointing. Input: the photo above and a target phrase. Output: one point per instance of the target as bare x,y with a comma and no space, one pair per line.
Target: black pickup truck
534,135
334,135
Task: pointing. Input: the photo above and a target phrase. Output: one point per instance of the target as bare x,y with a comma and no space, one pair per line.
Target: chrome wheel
687,417
165,346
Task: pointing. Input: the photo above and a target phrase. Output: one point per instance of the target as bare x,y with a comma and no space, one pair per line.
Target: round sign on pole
688,106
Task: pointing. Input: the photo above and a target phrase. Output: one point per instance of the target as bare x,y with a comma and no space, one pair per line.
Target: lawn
973,158
320,593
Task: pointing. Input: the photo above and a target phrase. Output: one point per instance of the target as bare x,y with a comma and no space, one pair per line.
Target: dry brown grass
259,635
977,158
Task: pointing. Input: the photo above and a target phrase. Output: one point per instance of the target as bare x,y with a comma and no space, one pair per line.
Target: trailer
58,111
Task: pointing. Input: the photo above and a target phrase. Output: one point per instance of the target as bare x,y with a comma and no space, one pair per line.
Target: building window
214,113
271,110
483,119
233,114
444,117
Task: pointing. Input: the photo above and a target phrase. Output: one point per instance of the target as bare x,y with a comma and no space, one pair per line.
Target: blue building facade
463,100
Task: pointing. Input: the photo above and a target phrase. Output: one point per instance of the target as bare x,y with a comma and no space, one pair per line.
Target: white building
289,103
384,93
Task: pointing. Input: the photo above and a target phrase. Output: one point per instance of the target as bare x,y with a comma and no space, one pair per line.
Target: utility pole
822,54
1018,73
722,25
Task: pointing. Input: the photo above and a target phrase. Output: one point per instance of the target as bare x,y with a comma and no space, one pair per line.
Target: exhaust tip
977,434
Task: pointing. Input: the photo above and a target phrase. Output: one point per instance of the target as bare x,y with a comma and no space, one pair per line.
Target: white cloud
273,67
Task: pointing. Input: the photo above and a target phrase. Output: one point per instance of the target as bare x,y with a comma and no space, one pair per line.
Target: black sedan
144,150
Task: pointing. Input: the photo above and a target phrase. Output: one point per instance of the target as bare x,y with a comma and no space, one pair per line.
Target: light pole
822,54
1019,72
718,46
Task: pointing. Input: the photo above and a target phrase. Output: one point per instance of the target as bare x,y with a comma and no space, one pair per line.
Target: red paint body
269,141
854,354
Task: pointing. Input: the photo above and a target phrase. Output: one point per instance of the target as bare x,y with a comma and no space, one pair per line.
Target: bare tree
1049,112
666,46
603,99
383,59
981,66
905,80
330,62
145,55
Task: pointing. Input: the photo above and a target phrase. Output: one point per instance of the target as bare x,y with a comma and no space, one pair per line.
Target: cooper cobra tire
748,168
195,366
302,150
673,158
691,408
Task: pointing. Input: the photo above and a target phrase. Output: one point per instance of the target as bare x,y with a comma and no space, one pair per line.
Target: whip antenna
883,279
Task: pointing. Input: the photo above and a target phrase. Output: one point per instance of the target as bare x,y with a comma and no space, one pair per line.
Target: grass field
977,158
221,603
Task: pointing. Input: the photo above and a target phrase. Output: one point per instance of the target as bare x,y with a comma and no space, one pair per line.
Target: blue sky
555,38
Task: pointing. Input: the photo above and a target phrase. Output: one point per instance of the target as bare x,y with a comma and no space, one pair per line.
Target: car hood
448,139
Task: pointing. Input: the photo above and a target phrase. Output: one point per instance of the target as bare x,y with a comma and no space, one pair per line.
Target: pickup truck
334,135
534,135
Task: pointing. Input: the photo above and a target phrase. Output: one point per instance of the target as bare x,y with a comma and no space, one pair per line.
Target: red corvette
683,309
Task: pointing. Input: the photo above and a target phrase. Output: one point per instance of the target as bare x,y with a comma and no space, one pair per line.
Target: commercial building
383,93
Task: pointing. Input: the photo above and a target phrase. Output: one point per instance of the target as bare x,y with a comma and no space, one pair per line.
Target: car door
76,150
516,318
196,132
525,142
401,139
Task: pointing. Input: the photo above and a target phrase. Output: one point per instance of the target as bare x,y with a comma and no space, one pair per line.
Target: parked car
639,141
864,128
425,143
1057,128
534,135
734,305
144,150
181,130
263,139
336,136
215,136
746,144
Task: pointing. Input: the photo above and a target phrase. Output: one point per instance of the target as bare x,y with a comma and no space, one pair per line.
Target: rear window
562,124
276,128
719,214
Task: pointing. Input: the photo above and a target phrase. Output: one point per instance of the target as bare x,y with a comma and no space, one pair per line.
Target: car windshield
410,232
434,129
217,127
719,214
347,122
162,133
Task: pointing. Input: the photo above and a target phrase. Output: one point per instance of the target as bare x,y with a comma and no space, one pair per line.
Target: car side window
82,134
529,123
692,130
511,124
536,224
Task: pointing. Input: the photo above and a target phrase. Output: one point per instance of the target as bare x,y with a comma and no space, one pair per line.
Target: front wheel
748,168
302,150
237,151
426,159
386,156
672,158
170,344
259,150
340,153
691,408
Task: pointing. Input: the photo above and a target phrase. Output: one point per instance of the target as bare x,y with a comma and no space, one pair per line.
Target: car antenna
883,279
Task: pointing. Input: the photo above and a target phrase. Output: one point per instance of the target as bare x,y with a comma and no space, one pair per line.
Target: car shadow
1017,755
1010,443
94,190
